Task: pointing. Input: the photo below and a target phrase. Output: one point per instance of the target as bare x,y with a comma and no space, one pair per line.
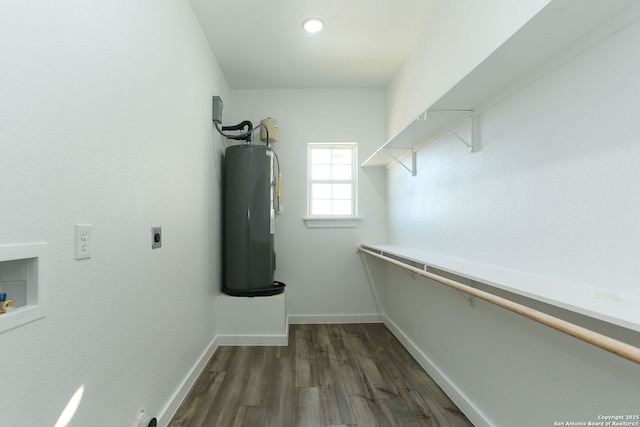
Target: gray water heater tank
248,221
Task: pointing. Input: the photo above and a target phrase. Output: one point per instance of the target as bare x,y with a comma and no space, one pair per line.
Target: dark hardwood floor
328,375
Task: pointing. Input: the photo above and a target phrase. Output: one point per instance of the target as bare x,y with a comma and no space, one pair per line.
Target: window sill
331,221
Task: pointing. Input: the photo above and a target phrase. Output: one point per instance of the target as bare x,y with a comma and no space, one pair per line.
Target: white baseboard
253,340
164,417
475,415
327,319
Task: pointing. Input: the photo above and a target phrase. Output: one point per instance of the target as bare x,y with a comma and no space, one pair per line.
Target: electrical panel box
217,109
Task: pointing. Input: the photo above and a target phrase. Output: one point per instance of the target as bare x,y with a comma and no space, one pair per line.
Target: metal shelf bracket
468,143
428,127
414,161
470,298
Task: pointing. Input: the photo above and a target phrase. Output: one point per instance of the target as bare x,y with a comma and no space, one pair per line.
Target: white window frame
313,221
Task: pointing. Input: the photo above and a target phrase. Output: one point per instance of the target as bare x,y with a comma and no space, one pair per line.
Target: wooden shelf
609,306
427,127
547,39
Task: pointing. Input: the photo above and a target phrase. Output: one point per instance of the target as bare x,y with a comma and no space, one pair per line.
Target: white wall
105,118
322,271
461,35
556,168
552,191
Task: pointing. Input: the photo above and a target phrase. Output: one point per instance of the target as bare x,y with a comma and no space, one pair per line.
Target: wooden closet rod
607,343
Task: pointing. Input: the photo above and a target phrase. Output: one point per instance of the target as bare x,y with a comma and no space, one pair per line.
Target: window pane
321,191
341,156
321,207
341,207
341,172
332,179
321,156
320,172
342,191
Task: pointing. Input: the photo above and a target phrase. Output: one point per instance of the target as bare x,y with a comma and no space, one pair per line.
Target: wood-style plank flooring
328,375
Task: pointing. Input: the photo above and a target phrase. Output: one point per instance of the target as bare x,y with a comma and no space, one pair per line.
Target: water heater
249,222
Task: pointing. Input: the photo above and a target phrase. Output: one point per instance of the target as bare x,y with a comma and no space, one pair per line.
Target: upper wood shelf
547,39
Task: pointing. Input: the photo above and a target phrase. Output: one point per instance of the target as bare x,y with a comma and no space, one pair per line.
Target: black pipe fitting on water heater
245,136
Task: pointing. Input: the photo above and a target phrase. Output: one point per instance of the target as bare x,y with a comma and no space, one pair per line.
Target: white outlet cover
84,241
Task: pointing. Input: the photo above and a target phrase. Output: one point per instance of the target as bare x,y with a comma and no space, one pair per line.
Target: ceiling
260,44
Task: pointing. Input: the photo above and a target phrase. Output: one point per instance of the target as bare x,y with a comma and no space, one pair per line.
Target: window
332,183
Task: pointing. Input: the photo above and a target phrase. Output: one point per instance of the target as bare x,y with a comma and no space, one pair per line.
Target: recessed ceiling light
312,25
